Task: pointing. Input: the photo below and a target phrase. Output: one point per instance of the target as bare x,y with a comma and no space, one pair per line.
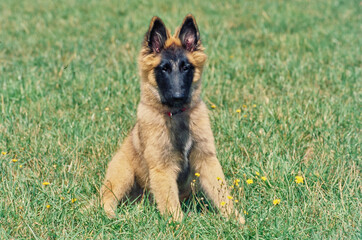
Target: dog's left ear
189,33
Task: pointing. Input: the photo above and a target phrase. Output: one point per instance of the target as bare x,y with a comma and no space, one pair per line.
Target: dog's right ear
156,35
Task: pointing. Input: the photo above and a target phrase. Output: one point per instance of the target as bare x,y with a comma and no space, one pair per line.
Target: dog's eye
184,67
166,68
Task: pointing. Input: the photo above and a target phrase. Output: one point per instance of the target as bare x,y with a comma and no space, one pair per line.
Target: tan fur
147,157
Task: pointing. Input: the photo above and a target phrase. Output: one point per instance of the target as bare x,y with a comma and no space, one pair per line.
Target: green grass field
285,79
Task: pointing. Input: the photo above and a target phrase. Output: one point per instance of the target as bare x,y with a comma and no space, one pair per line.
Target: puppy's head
171,66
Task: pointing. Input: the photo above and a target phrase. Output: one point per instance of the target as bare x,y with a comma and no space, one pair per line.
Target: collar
170,114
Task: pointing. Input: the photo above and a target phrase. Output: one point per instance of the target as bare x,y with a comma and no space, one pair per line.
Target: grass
69,89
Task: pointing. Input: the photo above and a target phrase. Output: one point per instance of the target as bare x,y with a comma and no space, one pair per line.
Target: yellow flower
48,206
299,179
254,106
236,200
263,178
276,201
107,109
74,200
223,203
244,106
245,116
218,178
197,174
213,106
14,160
257,173
3,153
63,198
20,166
46,183
249,181
238,110
230,197
245,212
236,182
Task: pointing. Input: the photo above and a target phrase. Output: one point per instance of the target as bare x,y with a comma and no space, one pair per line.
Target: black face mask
174,77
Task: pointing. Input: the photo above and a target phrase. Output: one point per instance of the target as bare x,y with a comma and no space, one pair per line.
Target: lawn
283,84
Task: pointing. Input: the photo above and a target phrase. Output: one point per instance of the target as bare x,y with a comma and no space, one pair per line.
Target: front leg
162,162
212,181
203,160
163,185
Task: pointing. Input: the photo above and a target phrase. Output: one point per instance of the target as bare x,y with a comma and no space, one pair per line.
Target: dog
172,140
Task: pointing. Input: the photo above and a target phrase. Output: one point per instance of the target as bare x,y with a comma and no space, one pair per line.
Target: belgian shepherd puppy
172,138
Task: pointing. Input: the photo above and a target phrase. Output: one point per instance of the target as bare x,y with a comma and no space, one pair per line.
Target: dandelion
238,110
14,160
299,179
254,105
244,106
236,182
222,203
46,183
245,116
218,178
245,212
213,106
230,197
20,166
249,181
257,173
48,206
3,153
106,109
74,200
197,174
236,201
263,178
276,201
193,180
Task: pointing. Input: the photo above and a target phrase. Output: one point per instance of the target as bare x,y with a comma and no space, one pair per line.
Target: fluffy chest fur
181,141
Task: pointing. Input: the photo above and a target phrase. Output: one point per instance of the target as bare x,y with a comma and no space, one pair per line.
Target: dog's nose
178,97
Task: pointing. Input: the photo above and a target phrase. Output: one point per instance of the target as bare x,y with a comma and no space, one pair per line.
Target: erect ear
189,33
156,35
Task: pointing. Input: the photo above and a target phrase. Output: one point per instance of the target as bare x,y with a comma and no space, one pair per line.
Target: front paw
178,216
109,205
110,211
239,217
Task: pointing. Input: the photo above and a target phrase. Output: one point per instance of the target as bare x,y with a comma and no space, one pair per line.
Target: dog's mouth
175,100
178,103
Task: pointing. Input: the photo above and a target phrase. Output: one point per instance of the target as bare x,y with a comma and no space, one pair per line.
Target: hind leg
119,178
